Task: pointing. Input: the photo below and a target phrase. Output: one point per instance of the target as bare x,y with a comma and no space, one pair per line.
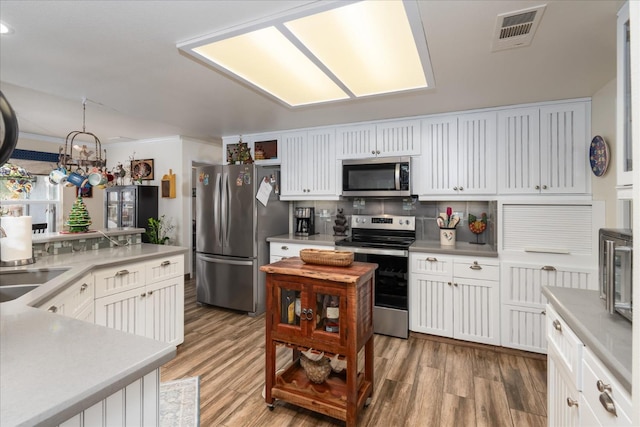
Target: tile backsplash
425,213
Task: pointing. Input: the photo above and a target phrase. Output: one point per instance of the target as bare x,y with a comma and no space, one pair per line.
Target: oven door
390,311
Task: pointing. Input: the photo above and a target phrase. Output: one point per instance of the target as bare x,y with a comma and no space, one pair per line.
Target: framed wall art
142,169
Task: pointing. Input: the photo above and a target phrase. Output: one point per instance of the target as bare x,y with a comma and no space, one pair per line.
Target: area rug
180,403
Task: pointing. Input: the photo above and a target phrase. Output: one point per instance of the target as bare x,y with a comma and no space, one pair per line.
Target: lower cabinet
456,297
151,307
76,300
563,398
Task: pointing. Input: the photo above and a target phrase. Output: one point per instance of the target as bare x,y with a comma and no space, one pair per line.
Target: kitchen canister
447,236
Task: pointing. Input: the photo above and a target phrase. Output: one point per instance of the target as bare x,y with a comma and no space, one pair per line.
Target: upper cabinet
623,111
544,150
458,156
309,166
393,138
262,147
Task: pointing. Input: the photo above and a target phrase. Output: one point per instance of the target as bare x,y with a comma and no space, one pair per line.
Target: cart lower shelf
329,398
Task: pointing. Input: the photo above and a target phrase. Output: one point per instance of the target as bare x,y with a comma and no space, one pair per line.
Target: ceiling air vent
516,29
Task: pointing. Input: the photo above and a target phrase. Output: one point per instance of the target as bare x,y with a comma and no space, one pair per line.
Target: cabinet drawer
433,264
595,372
110,281
566,344
73,299
164,268
288,250
476,269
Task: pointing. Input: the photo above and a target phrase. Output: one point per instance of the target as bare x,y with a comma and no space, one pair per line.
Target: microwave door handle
623,249
610,288
397,176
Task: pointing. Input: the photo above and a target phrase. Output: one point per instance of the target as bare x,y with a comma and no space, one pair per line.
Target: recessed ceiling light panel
329,51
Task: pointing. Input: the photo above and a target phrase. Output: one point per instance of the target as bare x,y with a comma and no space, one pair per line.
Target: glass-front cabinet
130,206
310,312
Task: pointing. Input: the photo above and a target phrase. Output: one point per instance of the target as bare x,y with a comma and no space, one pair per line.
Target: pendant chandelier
85,158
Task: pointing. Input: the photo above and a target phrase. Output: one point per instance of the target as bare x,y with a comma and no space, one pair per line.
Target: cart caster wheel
270,407
367,402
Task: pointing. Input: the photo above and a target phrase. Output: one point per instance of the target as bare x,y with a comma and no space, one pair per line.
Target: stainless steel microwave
379,177
615,270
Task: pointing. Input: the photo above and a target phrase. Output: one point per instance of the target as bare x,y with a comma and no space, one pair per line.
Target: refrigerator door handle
216,207
225,260
227,221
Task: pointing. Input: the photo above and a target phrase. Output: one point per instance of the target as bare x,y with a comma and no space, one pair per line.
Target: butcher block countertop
294,266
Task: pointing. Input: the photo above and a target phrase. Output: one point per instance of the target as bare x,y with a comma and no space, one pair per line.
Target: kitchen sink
29,277
14,284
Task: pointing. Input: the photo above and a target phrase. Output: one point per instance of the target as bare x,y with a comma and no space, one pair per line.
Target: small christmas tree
79,219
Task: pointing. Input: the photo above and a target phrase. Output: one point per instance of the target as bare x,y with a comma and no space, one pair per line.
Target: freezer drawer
226,282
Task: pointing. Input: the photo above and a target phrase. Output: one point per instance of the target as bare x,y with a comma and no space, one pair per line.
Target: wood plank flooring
421,381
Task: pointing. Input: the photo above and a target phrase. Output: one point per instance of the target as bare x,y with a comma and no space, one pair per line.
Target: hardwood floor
421,381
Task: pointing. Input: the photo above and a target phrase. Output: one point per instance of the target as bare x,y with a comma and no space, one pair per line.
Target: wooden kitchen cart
301,314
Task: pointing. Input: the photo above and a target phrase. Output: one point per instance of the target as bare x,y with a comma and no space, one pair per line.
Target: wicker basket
333,258
317,371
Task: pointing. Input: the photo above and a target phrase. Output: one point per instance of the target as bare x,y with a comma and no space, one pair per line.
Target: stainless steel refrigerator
231,231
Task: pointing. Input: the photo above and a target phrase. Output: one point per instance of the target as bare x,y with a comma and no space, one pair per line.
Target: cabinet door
398,138
123,311
330,316
286,311
438,165
431,304
476,156
519,151
320,170
356,142
561,393
294,155
476,314
164,311
523,328
564,148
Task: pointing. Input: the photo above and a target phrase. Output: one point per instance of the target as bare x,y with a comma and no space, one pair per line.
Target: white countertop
460,248
315,239
52,367
608,336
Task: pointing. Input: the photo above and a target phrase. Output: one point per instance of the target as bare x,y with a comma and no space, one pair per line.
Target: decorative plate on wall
599,155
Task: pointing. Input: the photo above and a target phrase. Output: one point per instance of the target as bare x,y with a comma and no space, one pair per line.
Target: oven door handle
376,251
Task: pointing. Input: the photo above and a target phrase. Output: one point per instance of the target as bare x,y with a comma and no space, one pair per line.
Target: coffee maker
305,221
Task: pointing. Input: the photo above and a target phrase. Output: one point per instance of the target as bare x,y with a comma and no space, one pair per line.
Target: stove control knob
407,222
400,222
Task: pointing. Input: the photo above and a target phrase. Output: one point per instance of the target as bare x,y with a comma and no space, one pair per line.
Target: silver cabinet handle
571,402
455,188
608,404
52,309
461,189
543,312
475,266
455,284
143,295
432,259
537,187
284,248
150,293
309,314
602,387
449,283
556,324
303,314
373,151
165,263
544,187
122,273
83,287
548,268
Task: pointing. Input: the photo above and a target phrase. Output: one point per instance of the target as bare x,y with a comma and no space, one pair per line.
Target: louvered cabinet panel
165,268
436,171
519,151
356,142
164,311
559,389
109,281
431,305
321,163
123,311
476,154
432,264
293,174
476,311
523,328
564,148
398,138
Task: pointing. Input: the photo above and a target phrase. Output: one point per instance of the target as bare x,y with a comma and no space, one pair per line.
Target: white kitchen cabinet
384,139
523,305
456,297
458,156
309,166
563,397
278,250
153,307
544,150
76,300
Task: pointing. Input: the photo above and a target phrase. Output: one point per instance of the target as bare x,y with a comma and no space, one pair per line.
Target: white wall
603,123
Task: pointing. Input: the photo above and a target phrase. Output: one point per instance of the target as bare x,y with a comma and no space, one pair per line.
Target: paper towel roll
17,245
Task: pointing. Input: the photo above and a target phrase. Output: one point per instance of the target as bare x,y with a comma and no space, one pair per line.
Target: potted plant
158,230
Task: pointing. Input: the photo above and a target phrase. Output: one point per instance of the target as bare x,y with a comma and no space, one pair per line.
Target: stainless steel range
385,240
